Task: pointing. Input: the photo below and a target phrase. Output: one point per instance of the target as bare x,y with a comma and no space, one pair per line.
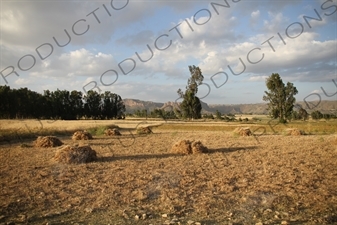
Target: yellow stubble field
266,178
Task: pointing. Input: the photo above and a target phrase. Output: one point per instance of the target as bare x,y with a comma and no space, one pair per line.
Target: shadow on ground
168,155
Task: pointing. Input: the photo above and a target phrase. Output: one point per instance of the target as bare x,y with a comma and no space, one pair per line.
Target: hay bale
47,142
75,154
182,147
144,130
198,147
188,147
112,132
82,135
243,131
294,132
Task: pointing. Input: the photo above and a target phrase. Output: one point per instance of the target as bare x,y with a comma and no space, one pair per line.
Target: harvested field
136,179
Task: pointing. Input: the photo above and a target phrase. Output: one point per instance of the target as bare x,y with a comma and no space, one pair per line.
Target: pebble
284,222
259,223
137,217
190,222
164,215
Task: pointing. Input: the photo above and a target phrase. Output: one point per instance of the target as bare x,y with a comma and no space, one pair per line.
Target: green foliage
280,97
316,115
303,114
190,107
300,115
218,115
60,104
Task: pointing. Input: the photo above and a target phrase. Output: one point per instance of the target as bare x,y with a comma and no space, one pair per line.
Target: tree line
60,104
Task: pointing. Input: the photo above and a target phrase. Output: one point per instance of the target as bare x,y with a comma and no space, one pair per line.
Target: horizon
142,49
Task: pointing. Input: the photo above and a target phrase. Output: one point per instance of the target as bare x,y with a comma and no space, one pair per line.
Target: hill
257,108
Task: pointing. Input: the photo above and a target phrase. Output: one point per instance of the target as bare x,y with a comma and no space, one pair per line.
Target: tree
280,97
303,114
218,115
316,115
190,107
92,105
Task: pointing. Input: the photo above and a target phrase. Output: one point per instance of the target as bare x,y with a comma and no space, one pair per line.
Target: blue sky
213,38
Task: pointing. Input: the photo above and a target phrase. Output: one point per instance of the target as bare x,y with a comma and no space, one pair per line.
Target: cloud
258,78
255,16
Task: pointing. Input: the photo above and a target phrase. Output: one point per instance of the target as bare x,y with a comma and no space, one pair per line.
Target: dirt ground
271,179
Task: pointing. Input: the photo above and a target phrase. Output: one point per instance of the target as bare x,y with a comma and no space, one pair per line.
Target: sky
142,49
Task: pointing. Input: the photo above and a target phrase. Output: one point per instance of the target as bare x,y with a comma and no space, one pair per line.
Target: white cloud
317,91
258,78
255,16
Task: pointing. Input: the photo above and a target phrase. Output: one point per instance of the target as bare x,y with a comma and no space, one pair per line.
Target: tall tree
92,105
112,106
190,107
280,97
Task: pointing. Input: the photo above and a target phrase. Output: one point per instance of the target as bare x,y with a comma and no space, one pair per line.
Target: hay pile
47,142
112,132
294,132
82,135
243,131
144,130
74,154
188,147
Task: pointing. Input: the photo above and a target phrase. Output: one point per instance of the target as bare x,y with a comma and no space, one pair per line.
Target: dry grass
82,135
197,147
188,147
47,142
182,147
242,131
144,130
240,181
75,154
294,132
112,132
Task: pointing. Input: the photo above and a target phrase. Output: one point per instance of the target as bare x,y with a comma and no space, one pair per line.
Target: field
267,178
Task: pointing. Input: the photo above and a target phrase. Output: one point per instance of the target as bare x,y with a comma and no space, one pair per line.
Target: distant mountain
259,108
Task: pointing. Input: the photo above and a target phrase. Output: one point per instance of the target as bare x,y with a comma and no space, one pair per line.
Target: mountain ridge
325,106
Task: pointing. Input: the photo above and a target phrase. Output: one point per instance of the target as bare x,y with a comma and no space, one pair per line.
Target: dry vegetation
188,147
82,135
136,179
112,132
47,142
75,154
144,130
243,131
